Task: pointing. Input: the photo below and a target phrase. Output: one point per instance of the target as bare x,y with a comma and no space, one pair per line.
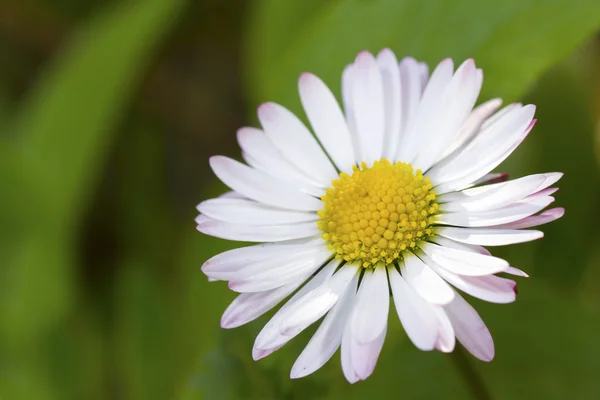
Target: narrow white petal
327,120
451,110
261,153
346,358
489,237
390,73
367,103
423,69
516,272
371,313
497,195
273,273
470,329
200,219
500,114
429,105
464,262
513,212
413,79
316,303
295,142
249,212
258,233
232,195
233,260
270,337
258,185
425,281
535,220
493,196
417,317
472,125
365,356
443,241
445,339
347,85
328,337
542,193
486,151
489,288
249,306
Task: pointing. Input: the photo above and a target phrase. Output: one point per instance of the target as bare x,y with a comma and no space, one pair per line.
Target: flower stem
471,376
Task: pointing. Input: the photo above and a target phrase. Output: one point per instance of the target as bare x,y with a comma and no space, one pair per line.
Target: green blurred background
108,112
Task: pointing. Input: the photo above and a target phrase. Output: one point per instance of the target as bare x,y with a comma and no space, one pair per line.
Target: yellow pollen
373,215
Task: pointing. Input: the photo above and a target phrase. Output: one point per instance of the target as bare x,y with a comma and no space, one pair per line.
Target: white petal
513,212
328,337
236,259
249,306
200,219
276,272
256,233
368,106
365,356
390,74
497,195
423,75
516,272
417,317
425,281
270,335
470,329
258,185
453,107
346,358
295,142
535,220
445,339
429,105
489,237
249,212
316,303
542,193
371,312
472,125
347,85
486,151
460,246
261,153
493,196
327,120
412,82
500,114
464,262
489,288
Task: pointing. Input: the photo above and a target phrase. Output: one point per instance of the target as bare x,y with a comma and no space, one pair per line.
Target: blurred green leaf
66,124
513,41
49,165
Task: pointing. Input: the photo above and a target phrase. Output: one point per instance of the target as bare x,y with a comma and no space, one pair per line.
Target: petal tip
364,59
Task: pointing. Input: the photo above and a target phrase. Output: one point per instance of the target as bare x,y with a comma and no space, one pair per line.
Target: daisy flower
392,200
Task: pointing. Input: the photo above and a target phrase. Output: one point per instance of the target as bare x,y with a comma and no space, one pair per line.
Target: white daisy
395,196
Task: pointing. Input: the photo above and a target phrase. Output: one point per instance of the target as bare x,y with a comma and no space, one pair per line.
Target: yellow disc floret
376,213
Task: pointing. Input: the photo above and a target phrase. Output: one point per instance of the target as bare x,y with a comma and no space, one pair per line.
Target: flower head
395,196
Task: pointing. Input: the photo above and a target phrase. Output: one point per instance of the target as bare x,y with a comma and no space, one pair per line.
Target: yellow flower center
376,213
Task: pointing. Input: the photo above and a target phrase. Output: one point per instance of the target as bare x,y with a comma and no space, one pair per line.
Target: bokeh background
109,110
